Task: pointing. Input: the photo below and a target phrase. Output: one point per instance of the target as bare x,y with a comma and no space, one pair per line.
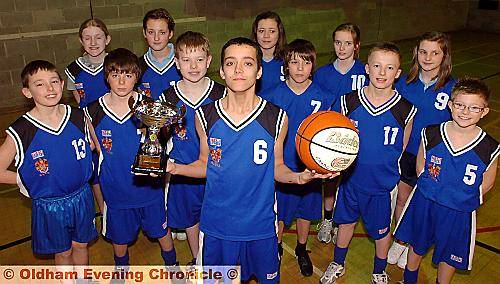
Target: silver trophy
152,156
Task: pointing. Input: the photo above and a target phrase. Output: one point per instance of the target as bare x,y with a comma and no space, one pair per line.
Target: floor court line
288,249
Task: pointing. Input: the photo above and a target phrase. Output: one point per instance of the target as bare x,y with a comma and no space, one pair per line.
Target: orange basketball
327,141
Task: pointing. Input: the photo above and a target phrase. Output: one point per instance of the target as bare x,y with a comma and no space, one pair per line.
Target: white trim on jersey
42,126
204,94
279,123
472,238
22,187
70,76
89,69
87,114
19,158
343,105
412,113
465,148
203,121
157,70
244,122
109,112
375,111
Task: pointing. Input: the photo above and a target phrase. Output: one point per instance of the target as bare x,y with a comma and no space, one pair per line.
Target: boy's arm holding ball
284,174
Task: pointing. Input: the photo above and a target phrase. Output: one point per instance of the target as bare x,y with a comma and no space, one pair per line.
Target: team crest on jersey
434,168
42,166
80,90
215,151
107,142
145,89
180,131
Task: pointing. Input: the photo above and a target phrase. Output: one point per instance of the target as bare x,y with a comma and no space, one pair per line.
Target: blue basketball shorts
257,258
121,226
185,197
56,222
299,201
374,210
425,223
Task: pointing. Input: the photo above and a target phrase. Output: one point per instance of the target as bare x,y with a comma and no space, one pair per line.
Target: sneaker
403,259
174,236
395,252
305,264
181,236
325,231
333,272
381,278
192,262
335,234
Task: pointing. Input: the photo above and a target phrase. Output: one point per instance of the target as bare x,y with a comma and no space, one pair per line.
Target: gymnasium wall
47,29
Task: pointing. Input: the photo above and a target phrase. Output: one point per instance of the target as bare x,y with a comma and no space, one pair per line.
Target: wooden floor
474,54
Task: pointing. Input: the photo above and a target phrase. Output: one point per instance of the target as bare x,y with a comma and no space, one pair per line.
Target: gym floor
474,54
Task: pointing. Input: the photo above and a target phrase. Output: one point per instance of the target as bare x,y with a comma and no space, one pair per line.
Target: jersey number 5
470,175
79,148
259,152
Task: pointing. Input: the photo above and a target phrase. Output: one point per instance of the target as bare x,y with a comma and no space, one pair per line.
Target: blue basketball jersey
297,107
453,177
119,139
239,202
52,162
154,80
89,81
432,106
340,84
272,74
381,131
186,143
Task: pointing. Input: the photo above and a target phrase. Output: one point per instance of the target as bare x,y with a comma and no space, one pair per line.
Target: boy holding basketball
241,154
457,164
384,120
299,97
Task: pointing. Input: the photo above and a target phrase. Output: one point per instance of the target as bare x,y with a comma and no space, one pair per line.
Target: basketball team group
234,180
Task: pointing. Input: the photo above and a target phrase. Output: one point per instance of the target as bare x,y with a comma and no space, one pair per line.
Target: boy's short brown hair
192,40
33,67
387,47
471,86
157,14
301,48
122,60
242,41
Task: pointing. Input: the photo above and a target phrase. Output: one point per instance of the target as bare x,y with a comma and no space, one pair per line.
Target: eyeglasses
474,109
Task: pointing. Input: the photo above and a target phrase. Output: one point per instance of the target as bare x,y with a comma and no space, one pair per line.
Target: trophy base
146,164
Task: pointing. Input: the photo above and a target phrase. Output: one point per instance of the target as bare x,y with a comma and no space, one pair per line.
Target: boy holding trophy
131,202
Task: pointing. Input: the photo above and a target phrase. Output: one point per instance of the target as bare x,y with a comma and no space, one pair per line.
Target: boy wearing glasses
456,163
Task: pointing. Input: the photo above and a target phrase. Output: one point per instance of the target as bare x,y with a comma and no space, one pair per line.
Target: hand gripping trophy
152,156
